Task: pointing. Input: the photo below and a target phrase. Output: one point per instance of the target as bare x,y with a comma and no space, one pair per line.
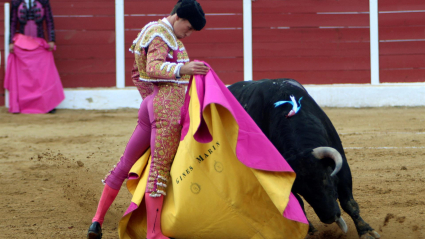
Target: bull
305,136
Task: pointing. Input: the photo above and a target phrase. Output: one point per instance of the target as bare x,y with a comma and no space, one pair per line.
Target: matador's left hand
51,45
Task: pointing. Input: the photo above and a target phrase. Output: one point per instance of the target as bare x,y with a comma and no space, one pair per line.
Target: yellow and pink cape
228,180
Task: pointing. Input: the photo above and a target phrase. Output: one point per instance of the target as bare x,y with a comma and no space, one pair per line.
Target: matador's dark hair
174,11
192,11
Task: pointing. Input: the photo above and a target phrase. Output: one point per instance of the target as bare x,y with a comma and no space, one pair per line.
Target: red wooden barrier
402,41
397,5
310,35
401,32
85,38
165,6
314,42
309,6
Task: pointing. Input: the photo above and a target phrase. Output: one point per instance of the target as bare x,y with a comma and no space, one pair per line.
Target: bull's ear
302,161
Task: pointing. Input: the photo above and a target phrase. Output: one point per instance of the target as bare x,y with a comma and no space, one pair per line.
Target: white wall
325,95
368,95
101,98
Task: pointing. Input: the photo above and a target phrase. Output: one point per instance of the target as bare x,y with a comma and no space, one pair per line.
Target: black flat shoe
95,231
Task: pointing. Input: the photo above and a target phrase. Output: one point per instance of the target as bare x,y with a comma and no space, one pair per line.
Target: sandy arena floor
51,167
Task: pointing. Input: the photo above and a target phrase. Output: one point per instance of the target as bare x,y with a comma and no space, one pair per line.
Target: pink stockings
108,196
153,213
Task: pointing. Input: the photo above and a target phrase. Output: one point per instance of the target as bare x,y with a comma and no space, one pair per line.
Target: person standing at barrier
31,75
164,70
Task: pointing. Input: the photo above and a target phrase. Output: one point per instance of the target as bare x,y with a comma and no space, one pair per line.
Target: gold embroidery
162,31
169,100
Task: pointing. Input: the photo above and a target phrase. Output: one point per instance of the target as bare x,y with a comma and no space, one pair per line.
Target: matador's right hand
194,68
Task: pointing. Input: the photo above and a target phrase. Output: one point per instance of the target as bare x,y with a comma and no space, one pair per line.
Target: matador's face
182,28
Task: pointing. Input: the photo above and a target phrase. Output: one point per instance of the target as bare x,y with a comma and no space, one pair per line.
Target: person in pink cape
31,75
164,71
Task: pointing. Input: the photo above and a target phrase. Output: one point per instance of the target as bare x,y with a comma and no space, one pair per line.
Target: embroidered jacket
38,11
159,54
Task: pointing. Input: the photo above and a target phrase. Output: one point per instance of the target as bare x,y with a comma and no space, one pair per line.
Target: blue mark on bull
293,102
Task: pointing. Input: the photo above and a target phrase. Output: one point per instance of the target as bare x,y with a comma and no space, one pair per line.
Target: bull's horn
328,152
341,223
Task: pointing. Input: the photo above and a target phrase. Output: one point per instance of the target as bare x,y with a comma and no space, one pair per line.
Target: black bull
310,144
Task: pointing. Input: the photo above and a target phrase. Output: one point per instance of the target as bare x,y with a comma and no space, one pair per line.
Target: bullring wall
314,42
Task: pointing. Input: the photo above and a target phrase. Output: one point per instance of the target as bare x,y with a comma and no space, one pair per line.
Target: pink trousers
158,127
139,141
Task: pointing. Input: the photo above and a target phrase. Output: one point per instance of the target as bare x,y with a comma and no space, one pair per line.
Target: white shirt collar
164,20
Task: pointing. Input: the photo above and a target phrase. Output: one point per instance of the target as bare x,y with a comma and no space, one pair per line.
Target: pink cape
32,78
253,148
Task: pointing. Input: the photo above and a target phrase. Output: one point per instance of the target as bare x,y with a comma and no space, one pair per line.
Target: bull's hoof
371,235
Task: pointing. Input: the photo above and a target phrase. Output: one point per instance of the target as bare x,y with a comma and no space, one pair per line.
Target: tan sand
52,166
